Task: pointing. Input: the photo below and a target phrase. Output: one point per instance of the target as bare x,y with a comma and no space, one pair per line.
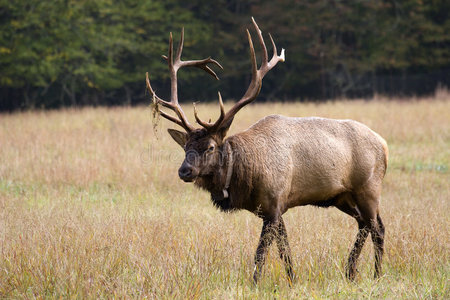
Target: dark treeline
74,52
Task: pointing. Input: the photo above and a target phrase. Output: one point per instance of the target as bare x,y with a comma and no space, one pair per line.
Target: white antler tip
282,57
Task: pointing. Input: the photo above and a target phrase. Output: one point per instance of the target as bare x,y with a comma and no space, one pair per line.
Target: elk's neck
230,170
216,182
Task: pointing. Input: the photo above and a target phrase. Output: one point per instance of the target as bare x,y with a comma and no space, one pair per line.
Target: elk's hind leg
345,205
285,250
361,236
368,206
377,234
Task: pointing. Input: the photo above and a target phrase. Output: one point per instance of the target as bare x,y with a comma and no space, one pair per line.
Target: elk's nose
185,173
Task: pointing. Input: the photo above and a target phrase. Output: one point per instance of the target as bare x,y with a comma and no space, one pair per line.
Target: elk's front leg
268,233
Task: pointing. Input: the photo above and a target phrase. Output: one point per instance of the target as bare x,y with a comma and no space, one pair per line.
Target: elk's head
204,146
203,152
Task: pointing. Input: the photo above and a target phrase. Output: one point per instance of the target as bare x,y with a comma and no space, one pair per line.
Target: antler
255,85
174,66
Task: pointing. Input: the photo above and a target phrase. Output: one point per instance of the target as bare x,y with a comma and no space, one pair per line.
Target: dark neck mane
239,189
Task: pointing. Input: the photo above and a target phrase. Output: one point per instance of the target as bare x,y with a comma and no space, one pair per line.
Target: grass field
91,207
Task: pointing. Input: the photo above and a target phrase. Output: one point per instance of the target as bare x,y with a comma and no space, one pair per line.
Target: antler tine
173,84
149,87
199,121
265,56
253,59
208,125
152,92
203,64
158,100
275,58
180,46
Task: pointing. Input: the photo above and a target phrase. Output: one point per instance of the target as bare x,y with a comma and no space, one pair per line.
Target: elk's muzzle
187,172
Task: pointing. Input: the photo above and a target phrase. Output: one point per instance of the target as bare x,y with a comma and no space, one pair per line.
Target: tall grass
91,207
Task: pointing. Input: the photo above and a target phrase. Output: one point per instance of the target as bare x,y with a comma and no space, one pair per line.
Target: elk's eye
210,148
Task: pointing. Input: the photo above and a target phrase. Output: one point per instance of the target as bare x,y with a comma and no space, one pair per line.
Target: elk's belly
316,190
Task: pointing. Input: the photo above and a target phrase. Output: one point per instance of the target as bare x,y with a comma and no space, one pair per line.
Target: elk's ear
179,136
222,132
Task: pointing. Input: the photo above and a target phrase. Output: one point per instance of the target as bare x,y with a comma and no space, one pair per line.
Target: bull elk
280,162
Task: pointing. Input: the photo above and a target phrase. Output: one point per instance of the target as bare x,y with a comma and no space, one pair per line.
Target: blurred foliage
68,52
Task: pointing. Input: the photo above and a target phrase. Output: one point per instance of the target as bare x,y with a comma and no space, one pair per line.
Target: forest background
56,53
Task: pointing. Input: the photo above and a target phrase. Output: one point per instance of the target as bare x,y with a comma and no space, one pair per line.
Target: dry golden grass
91,207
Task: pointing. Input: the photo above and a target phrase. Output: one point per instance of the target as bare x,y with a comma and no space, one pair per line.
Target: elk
280,162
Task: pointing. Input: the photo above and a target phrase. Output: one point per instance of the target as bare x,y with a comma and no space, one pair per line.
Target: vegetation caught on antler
155,113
